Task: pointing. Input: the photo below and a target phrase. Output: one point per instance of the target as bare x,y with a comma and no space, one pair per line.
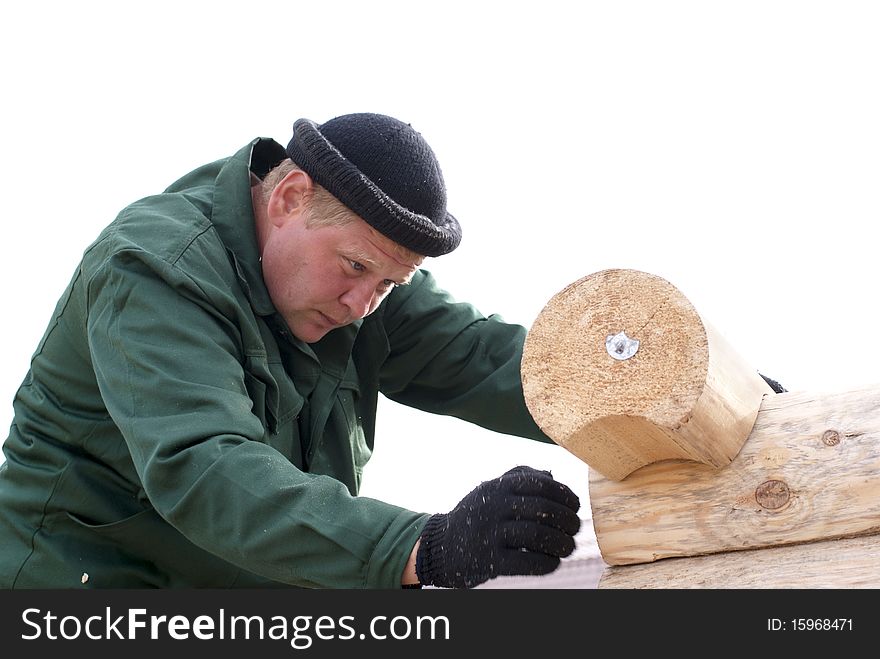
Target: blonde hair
324,210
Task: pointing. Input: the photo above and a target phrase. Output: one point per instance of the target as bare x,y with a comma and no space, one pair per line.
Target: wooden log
843,563
810,470
621,370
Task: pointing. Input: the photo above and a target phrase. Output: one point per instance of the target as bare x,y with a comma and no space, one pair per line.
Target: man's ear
289,199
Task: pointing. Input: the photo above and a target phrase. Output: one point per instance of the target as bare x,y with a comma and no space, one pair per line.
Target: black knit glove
519,523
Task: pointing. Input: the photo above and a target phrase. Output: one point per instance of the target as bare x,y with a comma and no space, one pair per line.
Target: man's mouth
330,321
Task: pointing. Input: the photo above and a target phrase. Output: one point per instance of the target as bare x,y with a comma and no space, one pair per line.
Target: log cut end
620,369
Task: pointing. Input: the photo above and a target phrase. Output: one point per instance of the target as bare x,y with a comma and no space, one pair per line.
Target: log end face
610,401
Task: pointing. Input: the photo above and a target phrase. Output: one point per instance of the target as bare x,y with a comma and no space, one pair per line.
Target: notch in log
621,370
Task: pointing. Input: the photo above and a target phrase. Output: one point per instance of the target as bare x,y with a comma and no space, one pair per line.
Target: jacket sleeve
169,367
447,358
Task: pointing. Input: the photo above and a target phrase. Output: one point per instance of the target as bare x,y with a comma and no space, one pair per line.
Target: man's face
325,277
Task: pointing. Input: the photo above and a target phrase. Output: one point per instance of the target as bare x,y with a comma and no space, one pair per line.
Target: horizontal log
810,470
843,563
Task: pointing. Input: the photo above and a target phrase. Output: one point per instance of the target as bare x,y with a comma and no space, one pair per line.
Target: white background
732,148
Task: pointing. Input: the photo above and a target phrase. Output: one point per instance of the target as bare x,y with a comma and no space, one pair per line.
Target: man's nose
359,299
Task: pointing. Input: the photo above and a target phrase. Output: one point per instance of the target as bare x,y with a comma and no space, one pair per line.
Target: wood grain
843,563
810,470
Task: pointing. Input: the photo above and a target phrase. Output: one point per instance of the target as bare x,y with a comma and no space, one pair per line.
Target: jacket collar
233,216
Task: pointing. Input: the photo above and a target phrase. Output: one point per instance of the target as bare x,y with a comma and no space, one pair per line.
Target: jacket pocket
276,402
348,398
149,544
116,529
275,399
265,412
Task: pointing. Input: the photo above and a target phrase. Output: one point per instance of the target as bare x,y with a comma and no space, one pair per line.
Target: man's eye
357,266
388,283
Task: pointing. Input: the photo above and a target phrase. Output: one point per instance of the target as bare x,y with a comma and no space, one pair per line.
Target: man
201,407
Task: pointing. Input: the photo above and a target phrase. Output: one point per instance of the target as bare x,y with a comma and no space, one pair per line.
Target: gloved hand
519,523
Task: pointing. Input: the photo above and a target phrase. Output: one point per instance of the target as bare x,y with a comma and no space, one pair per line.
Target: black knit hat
385,172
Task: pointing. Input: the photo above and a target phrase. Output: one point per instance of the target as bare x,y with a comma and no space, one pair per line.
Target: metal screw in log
621,370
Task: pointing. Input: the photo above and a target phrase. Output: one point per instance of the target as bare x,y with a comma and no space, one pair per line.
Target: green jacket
172,433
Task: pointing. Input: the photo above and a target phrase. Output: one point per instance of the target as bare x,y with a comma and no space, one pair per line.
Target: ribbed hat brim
328,167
